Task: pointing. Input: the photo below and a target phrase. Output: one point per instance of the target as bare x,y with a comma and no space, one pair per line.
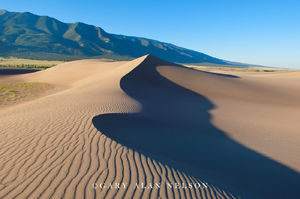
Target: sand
150,121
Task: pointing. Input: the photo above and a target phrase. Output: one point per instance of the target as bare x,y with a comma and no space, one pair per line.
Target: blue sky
265,32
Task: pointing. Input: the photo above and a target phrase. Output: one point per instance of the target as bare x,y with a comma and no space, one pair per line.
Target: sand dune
149,121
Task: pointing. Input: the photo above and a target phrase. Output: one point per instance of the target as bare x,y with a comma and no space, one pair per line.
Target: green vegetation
27,66
11,93
234,68
268,70
264,70
13,62
214,65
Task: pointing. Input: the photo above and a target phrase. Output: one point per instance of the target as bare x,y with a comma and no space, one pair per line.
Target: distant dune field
148,128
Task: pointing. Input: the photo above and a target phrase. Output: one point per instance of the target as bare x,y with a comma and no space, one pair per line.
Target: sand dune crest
141,122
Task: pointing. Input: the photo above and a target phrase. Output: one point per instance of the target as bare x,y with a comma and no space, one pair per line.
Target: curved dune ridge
153,123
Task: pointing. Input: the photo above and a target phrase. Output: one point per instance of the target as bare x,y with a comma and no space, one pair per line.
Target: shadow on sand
174,125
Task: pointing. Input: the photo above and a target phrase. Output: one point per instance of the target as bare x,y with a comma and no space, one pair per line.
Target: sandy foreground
152,129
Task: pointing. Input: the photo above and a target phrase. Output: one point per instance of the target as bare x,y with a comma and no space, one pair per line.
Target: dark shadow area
16,71
174,127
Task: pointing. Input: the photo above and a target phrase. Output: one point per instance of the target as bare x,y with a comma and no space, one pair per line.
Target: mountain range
26,35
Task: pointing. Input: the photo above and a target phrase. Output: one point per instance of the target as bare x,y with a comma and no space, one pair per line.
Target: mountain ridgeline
41,37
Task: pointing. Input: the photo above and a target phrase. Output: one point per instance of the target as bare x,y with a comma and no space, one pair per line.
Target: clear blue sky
265,32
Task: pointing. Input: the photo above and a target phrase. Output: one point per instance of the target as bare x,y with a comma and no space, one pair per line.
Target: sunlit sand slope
144,122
